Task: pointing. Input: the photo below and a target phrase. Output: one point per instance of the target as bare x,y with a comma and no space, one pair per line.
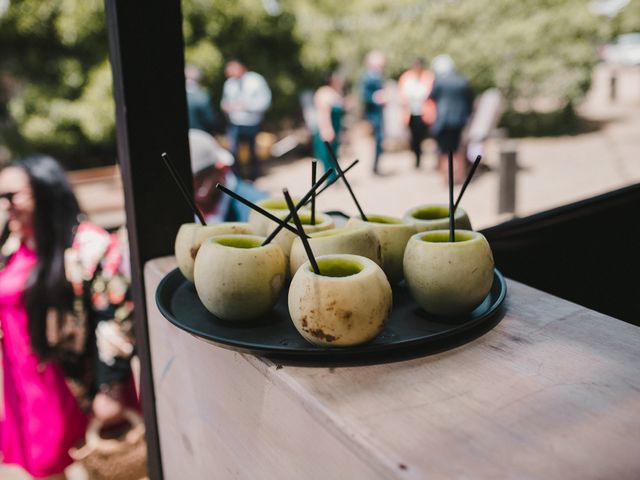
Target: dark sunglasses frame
8,196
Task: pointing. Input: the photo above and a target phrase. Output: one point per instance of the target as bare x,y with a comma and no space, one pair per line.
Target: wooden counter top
553,391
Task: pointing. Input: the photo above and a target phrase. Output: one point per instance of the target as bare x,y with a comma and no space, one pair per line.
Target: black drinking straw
336,178
314,168
302,202
452,236
467,180
303,237
183,188
344,179
258,209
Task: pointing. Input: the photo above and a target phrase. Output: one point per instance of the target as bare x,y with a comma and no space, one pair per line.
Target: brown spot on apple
321,334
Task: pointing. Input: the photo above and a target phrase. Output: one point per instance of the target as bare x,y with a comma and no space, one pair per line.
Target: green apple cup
191,235
355,240
393,233
277,206
285,238
347,304
435,216
448,278
236,278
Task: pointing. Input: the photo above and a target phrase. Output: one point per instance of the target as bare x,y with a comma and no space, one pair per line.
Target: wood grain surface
553,391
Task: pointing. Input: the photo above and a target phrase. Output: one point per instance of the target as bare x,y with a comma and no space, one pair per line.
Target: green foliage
530,49
628,20
539,53
216,31
57,50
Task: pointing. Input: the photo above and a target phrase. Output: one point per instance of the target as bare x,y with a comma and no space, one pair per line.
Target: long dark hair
55,219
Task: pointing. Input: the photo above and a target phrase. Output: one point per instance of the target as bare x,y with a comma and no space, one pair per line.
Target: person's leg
459,162
445,145
376,121
233,135
417,130
449,141
414,143
251,132
460,166
321,153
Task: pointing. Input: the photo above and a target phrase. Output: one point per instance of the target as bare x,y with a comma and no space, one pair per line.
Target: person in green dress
328,101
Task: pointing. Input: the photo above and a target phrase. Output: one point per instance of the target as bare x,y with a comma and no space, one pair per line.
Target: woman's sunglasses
8,196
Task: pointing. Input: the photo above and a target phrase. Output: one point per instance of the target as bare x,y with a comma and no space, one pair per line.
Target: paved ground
554,171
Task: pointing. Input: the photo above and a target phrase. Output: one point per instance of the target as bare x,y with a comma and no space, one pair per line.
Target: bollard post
507,177
613,85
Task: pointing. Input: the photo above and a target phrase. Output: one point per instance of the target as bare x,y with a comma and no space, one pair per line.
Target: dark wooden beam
147,59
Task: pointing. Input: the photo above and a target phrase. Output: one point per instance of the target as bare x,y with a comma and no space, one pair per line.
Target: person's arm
322,103
112,311
368,88
373,93
259,98
226,101
435,91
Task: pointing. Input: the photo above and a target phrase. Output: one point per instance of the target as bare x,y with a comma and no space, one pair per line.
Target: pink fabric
42,419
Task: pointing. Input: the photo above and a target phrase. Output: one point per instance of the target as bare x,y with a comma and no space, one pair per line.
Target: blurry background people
199,106
328,101
245,99
373,98
211,164
415,87
487,112
453,97
65,310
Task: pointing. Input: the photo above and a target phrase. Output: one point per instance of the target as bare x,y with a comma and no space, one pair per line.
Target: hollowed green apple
347,304
355,240
448,278
191,235
435,216
285,238
236,278
393,233
275,205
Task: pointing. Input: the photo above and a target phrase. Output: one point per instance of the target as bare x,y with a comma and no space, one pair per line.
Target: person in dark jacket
453,97
199,107
373,99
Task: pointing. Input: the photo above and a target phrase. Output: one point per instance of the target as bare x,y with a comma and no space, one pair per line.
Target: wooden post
613,85
147,61
507,174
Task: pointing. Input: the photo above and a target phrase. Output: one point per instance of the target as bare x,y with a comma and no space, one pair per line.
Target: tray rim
330,353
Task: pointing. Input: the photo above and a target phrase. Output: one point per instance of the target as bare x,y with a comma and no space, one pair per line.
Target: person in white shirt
245,98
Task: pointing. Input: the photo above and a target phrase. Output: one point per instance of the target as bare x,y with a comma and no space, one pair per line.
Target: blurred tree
55,53
629,18
218,30
55,79
538,52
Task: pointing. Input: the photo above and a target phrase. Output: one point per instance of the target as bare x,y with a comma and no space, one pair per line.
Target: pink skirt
42,419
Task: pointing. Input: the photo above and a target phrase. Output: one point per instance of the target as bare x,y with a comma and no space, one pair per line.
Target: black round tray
275,336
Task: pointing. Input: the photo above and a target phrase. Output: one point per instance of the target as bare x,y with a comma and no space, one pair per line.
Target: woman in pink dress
64,319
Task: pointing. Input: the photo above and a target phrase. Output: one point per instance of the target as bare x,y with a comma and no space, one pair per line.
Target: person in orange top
415,86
